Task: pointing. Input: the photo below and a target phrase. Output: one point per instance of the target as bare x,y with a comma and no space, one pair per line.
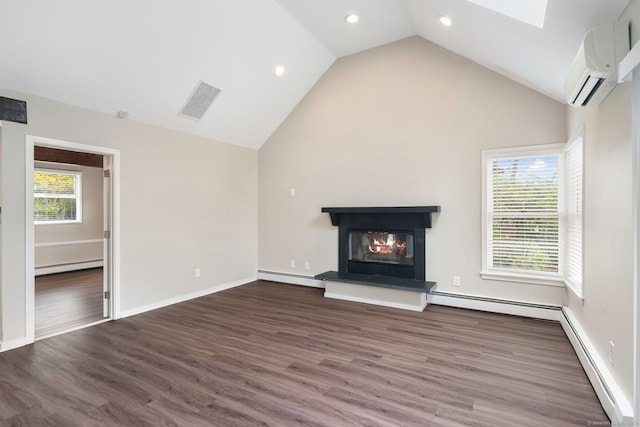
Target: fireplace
383,252
383,249
382,241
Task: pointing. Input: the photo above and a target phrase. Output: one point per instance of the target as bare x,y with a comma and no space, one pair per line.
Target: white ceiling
147,56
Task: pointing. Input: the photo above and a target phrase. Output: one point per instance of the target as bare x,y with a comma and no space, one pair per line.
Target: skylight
530,11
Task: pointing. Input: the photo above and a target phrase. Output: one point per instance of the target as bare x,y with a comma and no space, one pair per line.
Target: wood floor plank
64,301
269,354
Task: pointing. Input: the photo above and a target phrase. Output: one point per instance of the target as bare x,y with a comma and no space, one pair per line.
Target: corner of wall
615,403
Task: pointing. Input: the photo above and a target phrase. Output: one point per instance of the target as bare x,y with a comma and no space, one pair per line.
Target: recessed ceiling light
446,21
352,18
278,71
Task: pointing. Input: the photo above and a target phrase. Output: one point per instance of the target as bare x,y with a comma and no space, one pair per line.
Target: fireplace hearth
382,246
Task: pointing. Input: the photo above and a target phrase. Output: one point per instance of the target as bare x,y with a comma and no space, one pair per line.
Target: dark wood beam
55,155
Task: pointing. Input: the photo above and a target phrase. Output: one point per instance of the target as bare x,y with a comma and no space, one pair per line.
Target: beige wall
1,220
607,312
403,124
52,241
186,202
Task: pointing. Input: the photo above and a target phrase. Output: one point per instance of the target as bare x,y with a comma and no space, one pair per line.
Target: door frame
30,142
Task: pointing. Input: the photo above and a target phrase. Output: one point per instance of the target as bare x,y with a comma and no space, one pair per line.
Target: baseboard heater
587,354
72,266
498,301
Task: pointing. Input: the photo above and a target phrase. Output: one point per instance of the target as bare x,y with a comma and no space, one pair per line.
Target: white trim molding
629,63
30,142
522,278
185,297
10,345
613,400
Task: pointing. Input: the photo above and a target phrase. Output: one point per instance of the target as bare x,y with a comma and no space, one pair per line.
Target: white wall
1,220
186,203
58,244
402,124
607,312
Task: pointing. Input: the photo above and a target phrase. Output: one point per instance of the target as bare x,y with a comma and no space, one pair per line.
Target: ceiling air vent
199,101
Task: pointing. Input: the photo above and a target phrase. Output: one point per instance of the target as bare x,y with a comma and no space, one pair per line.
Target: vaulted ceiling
147,56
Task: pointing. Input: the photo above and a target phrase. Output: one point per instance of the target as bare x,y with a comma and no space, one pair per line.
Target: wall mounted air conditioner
594,72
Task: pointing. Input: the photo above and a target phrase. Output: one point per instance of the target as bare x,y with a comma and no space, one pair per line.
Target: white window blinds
573,212
523,212
56,196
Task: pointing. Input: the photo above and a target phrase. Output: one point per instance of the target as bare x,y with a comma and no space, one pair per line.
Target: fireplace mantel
404,216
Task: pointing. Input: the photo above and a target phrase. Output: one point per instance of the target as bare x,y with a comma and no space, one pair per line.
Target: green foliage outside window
525,215
56,196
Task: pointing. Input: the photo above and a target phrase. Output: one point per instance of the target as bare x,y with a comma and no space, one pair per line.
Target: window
573,203
525,224
57,196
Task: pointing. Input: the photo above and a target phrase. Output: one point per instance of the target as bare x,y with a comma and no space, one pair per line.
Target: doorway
72,259
70,215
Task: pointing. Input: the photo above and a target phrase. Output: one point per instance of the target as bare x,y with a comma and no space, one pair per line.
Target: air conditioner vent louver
594,72
587,91
199,101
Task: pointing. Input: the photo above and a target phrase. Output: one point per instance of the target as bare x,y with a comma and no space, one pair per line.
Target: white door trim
30,142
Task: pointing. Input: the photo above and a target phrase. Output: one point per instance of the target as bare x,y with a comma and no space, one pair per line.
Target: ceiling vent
199,101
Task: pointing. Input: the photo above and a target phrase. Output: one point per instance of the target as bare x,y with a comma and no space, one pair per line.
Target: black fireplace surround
381,246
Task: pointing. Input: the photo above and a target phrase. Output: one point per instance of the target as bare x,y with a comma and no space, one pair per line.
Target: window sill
522,278
577,294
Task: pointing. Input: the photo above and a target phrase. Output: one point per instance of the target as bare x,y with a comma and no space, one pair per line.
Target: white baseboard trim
376,302
495,305
613,400
69,243
10,345
185,297
61,268
292,279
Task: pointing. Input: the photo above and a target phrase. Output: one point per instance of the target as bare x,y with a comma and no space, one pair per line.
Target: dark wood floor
281,355
64,301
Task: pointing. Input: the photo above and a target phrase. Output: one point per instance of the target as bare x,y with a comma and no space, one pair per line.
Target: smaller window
573,201
57,196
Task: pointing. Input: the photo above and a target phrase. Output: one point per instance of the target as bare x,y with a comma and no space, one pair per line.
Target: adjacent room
332,213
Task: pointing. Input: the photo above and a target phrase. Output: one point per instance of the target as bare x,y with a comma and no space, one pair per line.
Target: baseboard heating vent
587,354
199,101
299,276
498,301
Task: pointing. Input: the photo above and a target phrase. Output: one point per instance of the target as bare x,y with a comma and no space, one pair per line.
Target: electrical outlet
611,346
197,273
455,280
307,265
292,192
292,263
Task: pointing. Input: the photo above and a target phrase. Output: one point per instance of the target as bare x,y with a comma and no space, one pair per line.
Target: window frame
77,195
533,277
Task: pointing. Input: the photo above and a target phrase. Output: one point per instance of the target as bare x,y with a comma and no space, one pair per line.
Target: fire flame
388,247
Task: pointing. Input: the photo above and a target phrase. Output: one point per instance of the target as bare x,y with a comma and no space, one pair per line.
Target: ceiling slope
147,56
